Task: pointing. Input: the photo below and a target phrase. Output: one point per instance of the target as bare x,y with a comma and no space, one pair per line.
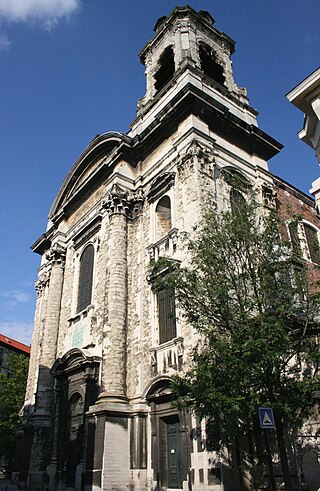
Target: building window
294,237
312,242
166,68
166,315
85,278
237,200
304,240
163,217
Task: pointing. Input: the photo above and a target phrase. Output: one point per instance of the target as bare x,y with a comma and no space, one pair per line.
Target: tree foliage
250,299
12,391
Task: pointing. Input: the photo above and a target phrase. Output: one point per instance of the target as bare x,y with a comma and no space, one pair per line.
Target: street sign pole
267,422
269,458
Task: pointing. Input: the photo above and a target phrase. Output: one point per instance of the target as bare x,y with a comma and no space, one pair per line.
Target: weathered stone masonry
98,413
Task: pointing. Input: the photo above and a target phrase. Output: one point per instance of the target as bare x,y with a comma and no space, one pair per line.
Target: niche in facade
166,68
163,217
209,64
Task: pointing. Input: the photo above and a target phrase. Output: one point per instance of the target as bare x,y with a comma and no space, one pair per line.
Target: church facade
98,413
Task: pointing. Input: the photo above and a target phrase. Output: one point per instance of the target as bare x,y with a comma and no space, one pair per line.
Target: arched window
166,69
163,217
209,65
85,278
237,200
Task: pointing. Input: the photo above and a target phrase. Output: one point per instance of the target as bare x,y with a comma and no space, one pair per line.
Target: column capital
119,201
56,254
40,284
116,201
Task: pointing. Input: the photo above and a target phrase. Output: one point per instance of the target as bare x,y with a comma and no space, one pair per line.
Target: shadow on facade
51,445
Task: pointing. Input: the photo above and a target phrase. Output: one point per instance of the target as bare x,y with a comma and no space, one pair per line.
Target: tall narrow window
294,237
85,278
163,217
237,200
313,243
166,315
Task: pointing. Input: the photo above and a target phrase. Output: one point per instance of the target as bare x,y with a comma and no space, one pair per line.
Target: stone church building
98,413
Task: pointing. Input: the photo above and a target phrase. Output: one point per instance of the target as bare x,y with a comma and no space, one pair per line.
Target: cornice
191,100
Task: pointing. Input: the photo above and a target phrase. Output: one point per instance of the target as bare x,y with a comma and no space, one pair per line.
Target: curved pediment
158,388
74,360
99,153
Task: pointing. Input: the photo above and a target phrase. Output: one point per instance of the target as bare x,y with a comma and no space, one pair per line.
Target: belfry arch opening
209,64
166,68
163,217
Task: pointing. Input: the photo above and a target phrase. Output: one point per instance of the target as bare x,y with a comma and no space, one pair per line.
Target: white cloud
46,12
20,331
5,43
14,297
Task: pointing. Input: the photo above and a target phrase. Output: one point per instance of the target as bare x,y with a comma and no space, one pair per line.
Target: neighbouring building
98,411
7,346
306,97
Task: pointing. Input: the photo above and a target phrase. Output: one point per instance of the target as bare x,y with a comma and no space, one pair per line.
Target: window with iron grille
166,315
85,278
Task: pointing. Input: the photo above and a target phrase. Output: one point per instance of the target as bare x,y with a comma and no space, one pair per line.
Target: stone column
40,286
41,419
25,436
108,419
56,257
113,365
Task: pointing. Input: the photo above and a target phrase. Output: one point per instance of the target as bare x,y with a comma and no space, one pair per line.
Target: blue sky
69,69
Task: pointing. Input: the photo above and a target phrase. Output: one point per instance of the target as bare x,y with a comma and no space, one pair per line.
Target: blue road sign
266,417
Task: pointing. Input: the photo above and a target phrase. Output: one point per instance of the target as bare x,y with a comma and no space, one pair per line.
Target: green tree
12,392
247,295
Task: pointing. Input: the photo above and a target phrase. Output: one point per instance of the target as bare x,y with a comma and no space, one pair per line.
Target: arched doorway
76,375
170,452
74,438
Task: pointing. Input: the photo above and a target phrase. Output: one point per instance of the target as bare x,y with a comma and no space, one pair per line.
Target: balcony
168,357
165,247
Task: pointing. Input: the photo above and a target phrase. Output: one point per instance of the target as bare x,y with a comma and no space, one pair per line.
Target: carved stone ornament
195,159
116,201
40,284
136,200
269,195
56,254
120,201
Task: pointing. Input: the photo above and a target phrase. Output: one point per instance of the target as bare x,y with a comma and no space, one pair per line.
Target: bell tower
189,75
187,40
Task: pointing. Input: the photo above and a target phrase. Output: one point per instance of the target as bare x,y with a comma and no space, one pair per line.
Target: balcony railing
168,357
165,247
